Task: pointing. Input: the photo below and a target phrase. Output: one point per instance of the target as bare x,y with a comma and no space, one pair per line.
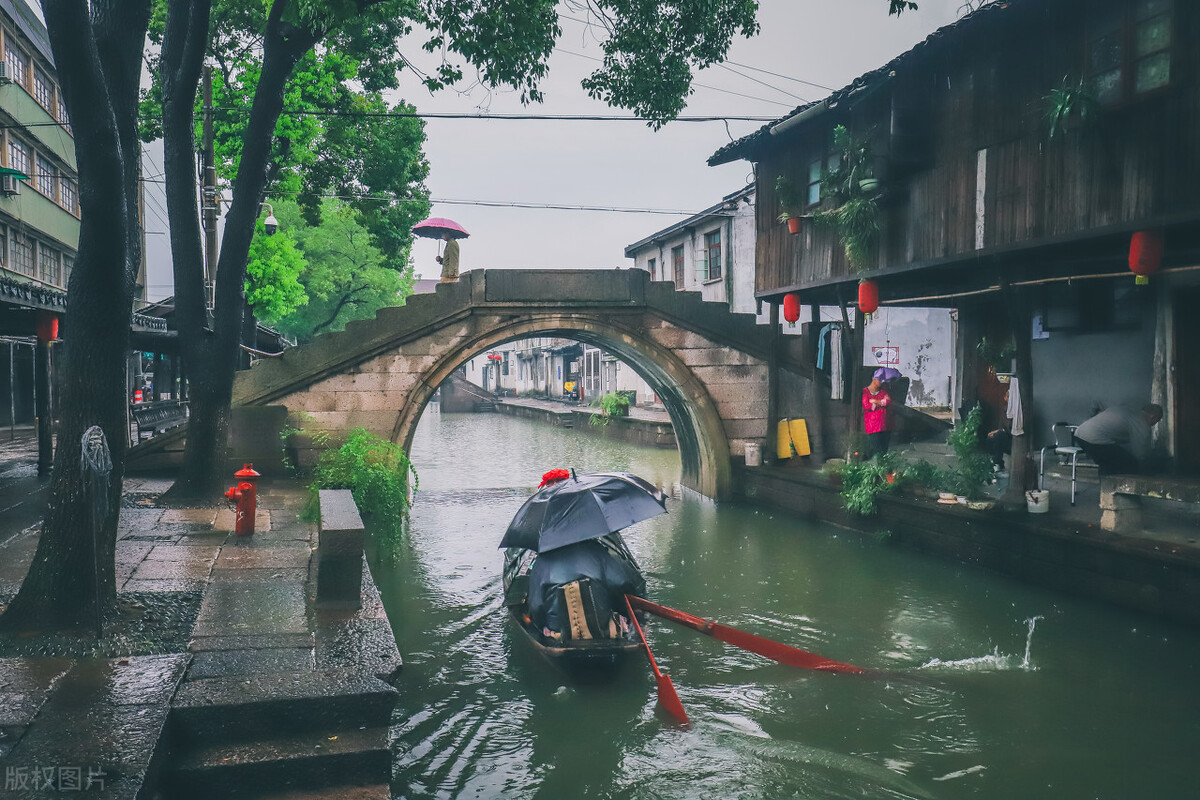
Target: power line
494,203
590,24
697,85
509,117
779,75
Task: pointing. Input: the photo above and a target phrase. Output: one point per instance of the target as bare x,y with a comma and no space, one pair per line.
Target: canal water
985,688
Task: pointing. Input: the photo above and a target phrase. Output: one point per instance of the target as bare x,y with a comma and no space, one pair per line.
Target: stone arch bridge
709,367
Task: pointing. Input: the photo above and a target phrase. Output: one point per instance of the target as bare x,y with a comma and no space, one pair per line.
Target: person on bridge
1118,438
875,401
449,260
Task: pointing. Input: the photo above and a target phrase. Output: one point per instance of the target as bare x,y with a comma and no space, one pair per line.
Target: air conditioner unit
4,78
10,185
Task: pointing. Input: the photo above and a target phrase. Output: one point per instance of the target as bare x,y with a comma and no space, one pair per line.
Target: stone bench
1120,497
339,550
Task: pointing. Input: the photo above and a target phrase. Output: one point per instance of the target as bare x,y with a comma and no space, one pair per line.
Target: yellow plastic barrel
792,435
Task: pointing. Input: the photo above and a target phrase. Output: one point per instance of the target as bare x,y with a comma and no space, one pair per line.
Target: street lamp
270,224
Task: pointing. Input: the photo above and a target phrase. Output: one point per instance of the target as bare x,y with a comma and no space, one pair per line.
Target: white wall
923,340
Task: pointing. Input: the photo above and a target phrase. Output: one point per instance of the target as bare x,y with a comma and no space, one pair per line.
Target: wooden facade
973,187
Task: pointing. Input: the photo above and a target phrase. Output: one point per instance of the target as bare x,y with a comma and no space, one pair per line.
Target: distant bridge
708,366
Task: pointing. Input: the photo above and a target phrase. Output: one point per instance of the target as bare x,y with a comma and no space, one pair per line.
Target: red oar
782,653
667,697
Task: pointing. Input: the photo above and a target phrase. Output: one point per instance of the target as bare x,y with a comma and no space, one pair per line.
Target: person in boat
604,573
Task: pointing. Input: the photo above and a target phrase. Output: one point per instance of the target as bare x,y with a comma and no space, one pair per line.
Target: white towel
837,381
1013,411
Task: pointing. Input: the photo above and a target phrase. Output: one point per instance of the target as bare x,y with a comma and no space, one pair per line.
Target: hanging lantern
47,326
868,297
791,307
1145,254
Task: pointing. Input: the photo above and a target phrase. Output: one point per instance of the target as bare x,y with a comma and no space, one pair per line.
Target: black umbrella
583,507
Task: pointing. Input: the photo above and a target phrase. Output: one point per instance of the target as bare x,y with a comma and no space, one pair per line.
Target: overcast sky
616,164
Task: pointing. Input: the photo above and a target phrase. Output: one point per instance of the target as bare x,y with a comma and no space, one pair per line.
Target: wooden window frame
712,247
42,180
1126,27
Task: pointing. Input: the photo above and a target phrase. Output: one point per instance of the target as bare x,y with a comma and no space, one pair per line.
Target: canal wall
1135,572
647,431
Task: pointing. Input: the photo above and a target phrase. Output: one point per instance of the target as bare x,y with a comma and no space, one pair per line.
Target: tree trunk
184,43
98,64
211,360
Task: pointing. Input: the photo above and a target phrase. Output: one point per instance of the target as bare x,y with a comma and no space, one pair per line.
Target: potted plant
1068,107
852,188
791,202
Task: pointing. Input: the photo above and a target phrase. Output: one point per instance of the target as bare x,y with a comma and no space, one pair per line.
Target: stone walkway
260,649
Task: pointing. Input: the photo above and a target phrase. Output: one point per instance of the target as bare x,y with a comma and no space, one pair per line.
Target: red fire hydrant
245,494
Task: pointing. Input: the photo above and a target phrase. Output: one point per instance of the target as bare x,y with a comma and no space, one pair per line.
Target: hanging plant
790,201
852,188
1069,106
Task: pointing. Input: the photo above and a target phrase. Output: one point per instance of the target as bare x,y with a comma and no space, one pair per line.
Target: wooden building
1017,152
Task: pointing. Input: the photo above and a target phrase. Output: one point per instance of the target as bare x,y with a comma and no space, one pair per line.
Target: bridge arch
709,366
703,445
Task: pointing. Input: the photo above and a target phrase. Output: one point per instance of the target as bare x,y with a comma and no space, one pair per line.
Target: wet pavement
255,639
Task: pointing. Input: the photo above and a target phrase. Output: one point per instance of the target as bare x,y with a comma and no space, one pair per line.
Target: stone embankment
258,691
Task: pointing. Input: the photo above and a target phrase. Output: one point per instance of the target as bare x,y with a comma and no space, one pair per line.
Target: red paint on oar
667,696
782,653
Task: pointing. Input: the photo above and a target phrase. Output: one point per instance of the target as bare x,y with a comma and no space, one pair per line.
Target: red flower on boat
553,476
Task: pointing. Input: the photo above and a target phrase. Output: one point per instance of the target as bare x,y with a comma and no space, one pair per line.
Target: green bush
974,467
376,472
613,404
864,482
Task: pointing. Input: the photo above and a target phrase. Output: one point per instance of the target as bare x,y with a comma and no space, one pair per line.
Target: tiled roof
748,145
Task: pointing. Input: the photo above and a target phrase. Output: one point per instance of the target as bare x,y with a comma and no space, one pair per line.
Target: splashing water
993,661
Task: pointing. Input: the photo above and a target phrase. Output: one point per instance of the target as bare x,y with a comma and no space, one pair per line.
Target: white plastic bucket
753,454
1038,501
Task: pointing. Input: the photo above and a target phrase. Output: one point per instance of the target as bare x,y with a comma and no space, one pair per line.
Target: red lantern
868,297
791,307
47,326
1145,254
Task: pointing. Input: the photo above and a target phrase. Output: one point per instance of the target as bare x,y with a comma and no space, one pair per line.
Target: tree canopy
345,277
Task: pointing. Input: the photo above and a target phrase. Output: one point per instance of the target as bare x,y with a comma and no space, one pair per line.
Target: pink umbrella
437,228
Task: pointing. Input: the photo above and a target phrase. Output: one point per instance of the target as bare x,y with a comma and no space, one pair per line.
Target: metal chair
1062,450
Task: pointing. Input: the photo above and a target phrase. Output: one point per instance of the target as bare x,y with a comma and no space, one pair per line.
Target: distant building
39,204
711,252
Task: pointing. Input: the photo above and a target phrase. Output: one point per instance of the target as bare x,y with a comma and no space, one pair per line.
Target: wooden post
42,403
1016,300
769,454
816,433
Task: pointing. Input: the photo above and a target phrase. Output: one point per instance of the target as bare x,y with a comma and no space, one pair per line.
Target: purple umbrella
886,374
437,228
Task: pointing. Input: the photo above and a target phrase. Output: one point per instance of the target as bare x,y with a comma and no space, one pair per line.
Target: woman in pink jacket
875,400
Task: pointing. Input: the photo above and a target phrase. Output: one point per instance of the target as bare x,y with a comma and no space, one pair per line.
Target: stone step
246,707
320,759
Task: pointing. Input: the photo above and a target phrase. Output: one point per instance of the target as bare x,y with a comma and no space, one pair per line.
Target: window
652,265
677,265
47,176
1129,51
68,263
18,155
50,266
712,257
816,168
22,254
62,114
17,61
43,90
3,249
68,194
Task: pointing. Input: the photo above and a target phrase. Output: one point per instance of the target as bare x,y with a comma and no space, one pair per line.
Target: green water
989,688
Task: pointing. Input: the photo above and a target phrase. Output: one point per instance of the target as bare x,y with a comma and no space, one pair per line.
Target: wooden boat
591,641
